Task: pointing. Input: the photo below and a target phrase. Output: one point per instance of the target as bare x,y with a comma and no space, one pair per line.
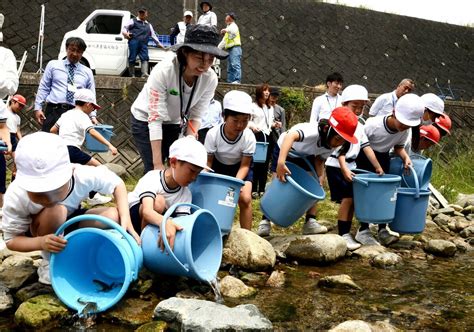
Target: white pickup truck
107,49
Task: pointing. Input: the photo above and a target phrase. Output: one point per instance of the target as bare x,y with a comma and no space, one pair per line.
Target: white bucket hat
86,96
354,92
433,103
409,109
190,150
42,161
238,101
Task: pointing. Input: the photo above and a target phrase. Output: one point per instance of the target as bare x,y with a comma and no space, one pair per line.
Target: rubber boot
145,69
131,69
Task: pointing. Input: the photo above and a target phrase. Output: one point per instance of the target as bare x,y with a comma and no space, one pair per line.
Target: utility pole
191,5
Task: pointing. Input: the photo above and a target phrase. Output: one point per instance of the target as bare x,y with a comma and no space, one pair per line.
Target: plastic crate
164,40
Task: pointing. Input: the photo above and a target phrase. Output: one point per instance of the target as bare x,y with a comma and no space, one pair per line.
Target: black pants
260,170
52,113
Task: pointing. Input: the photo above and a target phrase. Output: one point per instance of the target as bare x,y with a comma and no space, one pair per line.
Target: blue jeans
136,47
234,73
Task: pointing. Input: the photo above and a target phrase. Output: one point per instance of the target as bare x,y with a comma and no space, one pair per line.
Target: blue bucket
94,145
260,155
285,202
197,248
219,194
410,212
96,265
423,167
375,197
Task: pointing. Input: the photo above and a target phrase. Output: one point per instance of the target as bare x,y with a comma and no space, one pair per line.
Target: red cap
444,122
344,122
19,99
431,133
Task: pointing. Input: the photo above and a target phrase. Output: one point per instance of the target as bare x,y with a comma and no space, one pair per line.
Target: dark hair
79,42
442,131
259,94
326,132
334,77
80,103
415,138
228,112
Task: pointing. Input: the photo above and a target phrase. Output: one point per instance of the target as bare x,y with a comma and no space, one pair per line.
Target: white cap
86,96
190,150
42,162
354,92
238,101
409,109
188,13
433,103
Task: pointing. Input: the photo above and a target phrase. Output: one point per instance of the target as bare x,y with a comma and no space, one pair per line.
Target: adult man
232,44
385,103
208,17
179,29
324,104
61,79
137,31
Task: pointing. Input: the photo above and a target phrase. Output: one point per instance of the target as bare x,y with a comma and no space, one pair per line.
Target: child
230,148
429,136
434,108
384,133
443,124
341,163
157,190
48,191
73,126
16,104
315,141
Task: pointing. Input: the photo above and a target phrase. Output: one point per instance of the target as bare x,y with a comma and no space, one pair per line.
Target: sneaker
98,199
386,238
264,228
312,227
366,238
254,195
351,243
43,268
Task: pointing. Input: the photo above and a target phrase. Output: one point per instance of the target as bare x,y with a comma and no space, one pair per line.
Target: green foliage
296,105
452,165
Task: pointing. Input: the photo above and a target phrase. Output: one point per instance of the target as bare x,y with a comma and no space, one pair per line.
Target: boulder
369,251
386,259
33,290
132,311
320,248
467,232
247,250
465,200
441,248
40,311
449,211
15,270
277,279
235,288
352,326
6,300
342,281
155,326
198,315
468,210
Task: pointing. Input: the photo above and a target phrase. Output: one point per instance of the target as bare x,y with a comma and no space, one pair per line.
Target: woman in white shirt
261,124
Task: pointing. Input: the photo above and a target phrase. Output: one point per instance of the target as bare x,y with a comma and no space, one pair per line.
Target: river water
418,294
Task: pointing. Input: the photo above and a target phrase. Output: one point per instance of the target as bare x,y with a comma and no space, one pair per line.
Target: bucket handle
109,131
294,154
104,220
168,213
415,178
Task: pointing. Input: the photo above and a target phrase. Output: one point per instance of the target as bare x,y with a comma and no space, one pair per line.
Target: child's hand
407,163
379,171
128,226
113,149
171,229
281,171
347,173
53,243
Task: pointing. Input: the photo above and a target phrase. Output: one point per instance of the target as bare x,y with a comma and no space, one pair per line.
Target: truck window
105,24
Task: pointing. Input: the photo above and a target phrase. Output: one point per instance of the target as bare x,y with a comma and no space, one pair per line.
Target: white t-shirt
209,18
309,143
152,184
262,118
13,121
18,208
213,116
73,126
353,151
226,151
381,138
384,104
323,106
159,101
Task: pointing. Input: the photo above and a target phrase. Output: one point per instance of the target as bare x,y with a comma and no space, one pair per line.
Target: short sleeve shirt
381,137
309,142
73,126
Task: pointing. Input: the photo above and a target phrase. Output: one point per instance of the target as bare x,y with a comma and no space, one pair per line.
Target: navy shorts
135,217
77,156
297,161
231,170
339,187
14,141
